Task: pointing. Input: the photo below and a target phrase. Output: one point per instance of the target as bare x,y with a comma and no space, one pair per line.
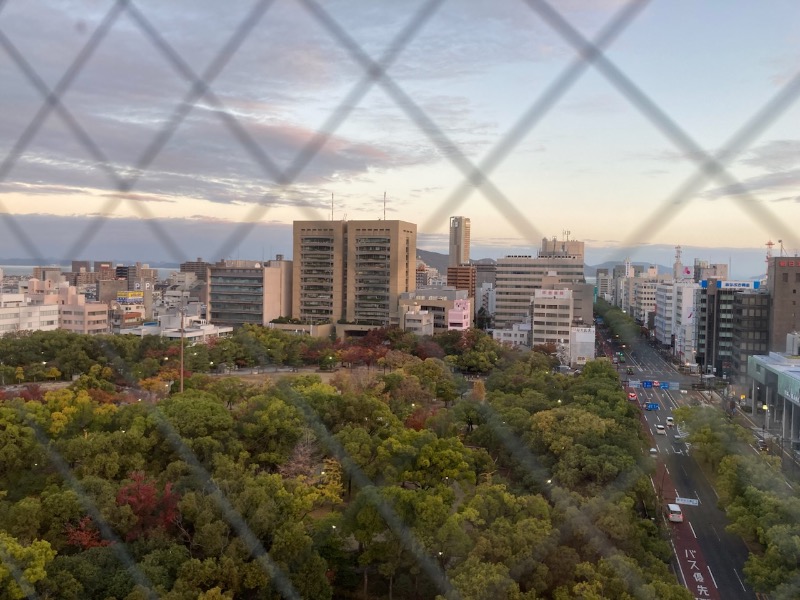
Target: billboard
134,297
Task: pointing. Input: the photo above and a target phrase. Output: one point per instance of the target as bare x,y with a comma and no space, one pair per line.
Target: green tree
29,561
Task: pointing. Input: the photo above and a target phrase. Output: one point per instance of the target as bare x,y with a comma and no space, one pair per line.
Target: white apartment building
487,298
413,320
684,326
581,345
518,335
665,313
18,314
551,317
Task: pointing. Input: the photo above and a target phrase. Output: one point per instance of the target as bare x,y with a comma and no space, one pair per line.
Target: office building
248,292
352,271
199,267
459,241
485,271
714,330
462,277
783,284
750,329
558,262
703,270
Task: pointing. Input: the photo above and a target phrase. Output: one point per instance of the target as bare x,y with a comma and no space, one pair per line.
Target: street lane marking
740,580
712,577
715,533
677,560
694,533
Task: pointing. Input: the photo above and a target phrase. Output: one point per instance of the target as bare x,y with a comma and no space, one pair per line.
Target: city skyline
595,163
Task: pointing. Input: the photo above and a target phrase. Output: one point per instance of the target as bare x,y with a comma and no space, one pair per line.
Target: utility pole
182,312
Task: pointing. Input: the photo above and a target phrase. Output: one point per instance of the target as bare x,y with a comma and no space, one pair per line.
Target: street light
766,413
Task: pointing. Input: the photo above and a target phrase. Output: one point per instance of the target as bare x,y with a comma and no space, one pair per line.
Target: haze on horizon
133,162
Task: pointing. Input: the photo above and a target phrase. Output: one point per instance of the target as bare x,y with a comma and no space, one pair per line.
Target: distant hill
591,270
437,260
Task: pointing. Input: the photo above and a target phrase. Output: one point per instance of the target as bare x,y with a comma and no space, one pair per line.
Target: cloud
761,184
777,155
136,239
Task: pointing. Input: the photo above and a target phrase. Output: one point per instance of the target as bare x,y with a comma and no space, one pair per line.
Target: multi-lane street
708,560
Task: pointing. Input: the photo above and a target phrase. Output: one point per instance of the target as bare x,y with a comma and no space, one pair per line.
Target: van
674,513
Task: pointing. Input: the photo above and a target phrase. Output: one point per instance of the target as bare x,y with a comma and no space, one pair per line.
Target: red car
632,396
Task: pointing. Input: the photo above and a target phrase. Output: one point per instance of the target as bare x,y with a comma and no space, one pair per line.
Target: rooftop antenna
331,206
782,249
384,205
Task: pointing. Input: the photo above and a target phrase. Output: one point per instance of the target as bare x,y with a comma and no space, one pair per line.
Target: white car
670,422
661,430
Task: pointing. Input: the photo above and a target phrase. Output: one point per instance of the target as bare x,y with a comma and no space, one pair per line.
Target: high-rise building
783,283
705,270
459,241
518,276
715,324
199,267
750,329
462,277
352,270
81,265
54,274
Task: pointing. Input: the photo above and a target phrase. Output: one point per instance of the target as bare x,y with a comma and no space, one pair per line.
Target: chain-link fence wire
476,177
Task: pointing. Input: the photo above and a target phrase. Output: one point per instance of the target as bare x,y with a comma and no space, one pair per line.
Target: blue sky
594,164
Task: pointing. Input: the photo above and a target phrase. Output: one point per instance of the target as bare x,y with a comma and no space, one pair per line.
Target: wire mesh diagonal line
253,545
13,568
118,546
562,498
195,92
660,119
426,125
389,515
44,110
338,116
73,125
773,109
546,101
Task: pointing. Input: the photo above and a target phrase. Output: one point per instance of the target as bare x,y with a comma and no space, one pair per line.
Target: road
708,559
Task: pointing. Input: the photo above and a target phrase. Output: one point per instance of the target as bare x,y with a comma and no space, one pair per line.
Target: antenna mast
331,206
384,206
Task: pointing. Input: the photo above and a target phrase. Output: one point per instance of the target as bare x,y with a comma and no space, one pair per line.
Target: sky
192,128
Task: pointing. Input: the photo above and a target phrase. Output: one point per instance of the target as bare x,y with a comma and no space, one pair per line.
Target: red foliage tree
153,509
32,391
101,396
85,535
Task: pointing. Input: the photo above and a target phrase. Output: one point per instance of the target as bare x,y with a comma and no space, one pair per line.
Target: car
653,451
762,445
632,396
670,422
661,430
674,513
